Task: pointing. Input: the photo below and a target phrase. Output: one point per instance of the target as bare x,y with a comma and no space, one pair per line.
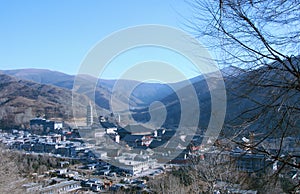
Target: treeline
16,168
29,164
203,178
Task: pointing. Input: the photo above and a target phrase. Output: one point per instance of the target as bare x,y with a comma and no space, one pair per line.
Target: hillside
258,101
22,100
141,97
25,99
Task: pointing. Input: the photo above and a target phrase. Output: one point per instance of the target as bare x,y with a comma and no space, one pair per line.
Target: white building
133,166
58,125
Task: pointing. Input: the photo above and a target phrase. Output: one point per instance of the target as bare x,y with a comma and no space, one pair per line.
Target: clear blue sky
57,34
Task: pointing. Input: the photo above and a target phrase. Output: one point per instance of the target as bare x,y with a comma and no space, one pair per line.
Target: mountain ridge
22,100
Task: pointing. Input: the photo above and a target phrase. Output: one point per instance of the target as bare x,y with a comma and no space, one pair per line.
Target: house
62,187
94,184
138,140
91,166
64,163
67,151
133,140
104,172
42,126
134,167
61,171
134,130
31,187
95,181
134,164
97,187
56,138
248,161
111,131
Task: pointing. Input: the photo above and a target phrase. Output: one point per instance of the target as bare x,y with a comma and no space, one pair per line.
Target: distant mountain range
49,93
143,94
28,92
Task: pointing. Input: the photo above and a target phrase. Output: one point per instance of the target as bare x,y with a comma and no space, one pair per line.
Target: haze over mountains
28,92
36,85
144,93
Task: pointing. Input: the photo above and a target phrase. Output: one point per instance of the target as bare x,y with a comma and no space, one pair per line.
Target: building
31,187
67,151
62,187
110,128
135,167
89,115
138,130
42,126
249,162
134,164
137,140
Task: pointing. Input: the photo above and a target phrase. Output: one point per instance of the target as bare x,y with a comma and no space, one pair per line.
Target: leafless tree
263,38
216,173
168,184
10,179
